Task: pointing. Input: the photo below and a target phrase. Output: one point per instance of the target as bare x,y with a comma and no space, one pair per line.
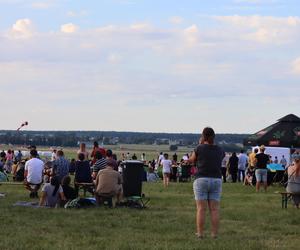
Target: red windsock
22,125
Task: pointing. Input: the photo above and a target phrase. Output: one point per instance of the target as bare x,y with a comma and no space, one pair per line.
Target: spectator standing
242,165
224,167
9,161
252,158
261,172
53,155
160,158
233,166
208,184
293,184
97,149
19,156
283,161
167,165
82,150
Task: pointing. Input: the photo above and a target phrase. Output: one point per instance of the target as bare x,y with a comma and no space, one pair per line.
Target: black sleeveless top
209,160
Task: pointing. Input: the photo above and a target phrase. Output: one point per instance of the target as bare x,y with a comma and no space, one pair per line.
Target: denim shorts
208,189
261,175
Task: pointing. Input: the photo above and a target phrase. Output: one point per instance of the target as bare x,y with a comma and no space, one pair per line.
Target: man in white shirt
33,175
242,165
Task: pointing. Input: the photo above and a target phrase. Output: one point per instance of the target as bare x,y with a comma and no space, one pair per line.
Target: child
166,164
151,176
249,176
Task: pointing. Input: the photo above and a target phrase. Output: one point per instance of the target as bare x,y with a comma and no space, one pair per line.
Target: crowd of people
208,164
99,169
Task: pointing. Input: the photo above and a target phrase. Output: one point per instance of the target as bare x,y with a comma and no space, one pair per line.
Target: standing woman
82,150
293,184
208,184
9,160
233,166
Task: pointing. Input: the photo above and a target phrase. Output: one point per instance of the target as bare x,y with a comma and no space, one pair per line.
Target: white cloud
81,13
68,28
263,29
42,5
296,66
135,69
114,58
22,29
141,26
191,34
176,20
256,1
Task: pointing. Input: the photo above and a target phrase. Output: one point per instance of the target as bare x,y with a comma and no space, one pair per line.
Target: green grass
248,221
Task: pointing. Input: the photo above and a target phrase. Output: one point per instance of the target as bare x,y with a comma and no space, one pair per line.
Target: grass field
248,221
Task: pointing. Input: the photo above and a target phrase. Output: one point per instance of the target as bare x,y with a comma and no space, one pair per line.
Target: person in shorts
208,184
261,172
167,165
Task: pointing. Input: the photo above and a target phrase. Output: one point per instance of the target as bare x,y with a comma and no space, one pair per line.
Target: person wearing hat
293,184
261,172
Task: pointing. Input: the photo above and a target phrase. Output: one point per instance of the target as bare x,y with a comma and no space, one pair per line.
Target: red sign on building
274,143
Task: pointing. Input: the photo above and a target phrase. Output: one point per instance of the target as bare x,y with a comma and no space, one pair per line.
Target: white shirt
225,161
243,159
35,169
185,157
167,164
53,156
160,159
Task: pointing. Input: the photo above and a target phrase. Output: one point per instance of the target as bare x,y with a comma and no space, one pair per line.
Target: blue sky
141,65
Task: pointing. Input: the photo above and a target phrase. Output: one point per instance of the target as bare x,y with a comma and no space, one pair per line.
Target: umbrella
284,133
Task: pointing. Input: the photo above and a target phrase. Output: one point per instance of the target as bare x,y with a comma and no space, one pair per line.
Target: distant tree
173,147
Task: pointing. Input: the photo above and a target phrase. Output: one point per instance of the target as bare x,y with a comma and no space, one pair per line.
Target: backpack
80,203
3,177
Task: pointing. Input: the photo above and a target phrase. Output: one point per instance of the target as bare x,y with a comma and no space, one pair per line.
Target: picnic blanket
27,204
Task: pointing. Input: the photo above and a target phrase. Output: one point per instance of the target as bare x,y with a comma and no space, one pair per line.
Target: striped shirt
99,164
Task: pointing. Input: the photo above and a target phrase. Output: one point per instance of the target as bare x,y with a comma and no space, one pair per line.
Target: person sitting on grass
82,172
108,184
249,176
18,172
151,175
167,165
52,193
33,175
69,192
293,184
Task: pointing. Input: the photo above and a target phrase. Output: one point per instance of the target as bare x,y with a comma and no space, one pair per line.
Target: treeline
71,138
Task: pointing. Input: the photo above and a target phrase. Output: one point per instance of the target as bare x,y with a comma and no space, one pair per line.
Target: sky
149,65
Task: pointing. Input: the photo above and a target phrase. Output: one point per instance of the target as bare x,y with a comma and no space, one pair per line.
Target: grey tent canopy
284,133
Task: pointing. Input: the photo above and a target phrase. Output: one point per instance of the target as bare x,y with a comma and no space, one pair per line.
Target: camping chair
137,201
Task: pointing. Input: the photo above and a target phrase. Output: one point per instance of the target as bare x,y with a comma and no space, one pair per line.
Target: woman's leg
200,216
214,216
168,179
